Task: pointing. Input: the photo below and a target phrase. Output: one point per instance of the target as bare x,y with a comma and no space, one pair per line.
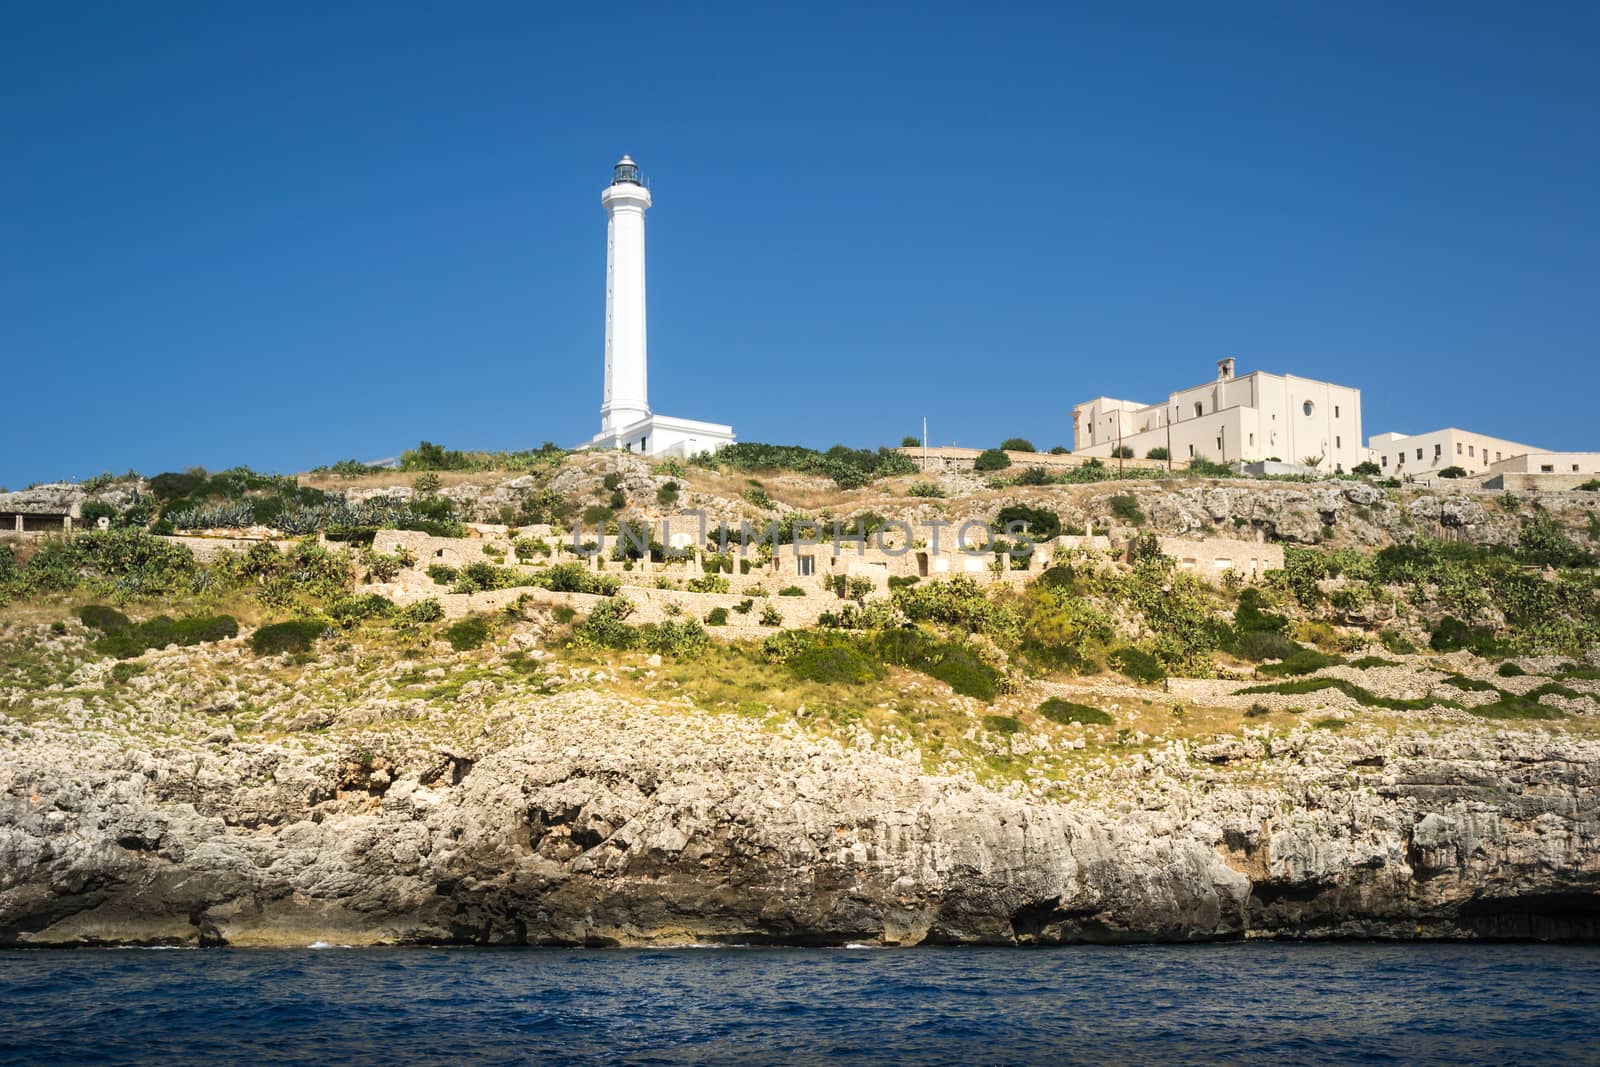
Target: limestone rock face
579,820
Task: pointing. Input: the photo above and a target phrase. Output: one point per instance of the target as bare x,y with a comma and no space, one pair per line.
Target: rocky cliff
579,819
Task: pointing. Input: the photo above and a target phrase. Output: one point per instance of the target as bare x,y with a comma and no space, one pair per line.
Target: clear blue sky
284,234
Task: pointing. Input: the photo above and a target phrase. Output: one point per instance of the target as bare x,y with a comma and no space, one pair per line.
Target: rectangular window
1472,450
1574,468
1497,457
1419,453
1252,440
1385,460
1547,468
1458,448
1336,411
1338,442
806,566
1191,451
1438,450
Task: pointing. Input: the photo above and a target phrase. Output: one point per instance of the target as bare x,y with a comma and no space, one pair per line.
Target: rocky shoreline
582,819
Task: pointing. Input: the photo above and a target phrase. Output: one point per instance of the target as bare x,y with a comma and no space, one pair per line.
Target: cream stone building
1249,418
1399,455
1549,463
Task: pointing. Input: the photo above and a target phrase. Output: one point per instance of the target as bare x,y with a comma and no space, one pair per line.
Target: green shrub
426,483
1591,486
1126,509
991,459
708,583
719,616
849,468
105,619
1158,452
442,574
902,581
1017,444
1452,635
1138,664
1509,670
1249,616
1001,724
909,441
1396,642
925,489
1122,452
791,590
1368,662
386,567
347,611
1360,694
1035,476
1331,723
423,611
1366,469
134,639
743,607
958,601
667,494
1205,468
1259,645
529,547
675,637
468,633
480,577
1061,450
295,635
1470,685
1066,711
607,626
770,615
1453,472
124,671
1304,661
834,663
573,577
1041,524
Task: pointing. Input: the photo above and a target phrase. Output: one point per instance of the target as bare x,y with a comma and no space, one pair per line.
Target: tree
1158,452
992,459
1061,450
1453,472
1040,523
1122,452
910,441
1312,461
1017,444
1367,469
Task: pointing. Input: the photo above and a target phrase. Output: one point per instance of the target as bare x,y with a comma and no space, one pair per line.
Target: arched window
1308,407
1198,409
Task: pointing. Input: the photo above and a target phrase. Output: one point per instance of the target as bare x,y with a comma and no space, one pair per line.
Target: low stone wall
1533,483
206,549
964,459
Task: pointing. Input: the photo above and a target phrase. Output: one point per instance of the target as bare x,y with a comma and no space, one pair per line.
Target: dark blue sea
1274,1004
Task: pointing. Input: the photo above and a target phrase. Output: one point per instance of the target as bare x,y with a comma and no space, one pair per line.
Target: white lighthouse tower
627,397
625,418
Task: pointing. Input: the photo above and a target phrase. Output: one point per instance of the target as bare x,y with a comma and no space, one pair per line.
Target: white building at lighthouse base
662,435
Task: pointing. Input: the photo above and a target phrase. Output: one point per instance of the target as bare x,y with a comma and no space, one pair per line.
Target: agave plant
229,514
